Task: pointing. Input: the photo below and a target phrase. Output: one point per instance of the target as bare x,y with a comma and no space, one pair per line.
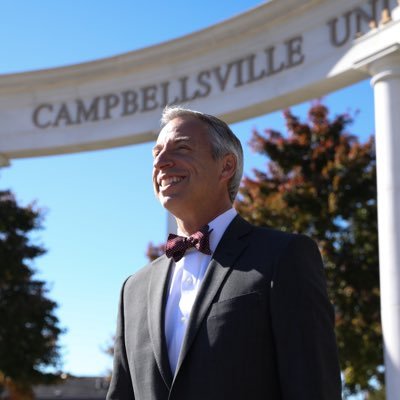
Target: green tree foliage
29,328
321,181
377,395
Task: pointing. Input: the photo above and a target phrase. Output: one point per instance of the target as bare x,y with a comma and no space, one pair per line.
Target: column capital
385,68
382,64
386,73
4,161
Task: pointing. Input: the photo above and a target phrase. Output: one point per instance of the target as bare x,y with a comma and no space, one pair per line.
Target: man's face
185,176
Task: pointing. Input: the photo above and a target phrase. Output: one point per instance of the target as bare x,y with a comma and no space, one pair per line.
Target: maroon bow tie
177,245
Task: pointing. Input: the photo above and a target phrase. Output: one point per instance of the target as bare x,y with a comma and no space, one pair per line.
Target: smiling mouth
166,182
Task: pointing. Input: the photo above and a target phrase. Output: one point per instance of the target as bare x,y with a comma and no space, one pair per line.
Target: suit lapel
232,243
156,300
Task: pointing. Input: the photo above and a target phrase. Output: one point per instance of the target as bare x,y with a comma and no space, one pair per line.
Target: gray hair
223,140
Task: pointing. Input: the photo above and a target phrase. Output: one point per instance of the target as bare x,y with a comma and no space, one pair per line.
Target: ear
228,167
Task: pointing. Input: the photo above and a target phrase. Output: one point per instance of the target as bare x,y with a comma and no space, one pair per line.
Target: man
232,311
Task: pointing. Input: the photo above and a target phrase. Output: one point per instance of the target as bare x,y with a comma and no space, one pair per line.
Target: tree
29,328
321,181
377,395
155,251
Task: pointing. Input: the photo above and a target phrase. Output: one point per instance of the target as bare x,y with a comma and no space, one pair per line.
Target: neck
192,223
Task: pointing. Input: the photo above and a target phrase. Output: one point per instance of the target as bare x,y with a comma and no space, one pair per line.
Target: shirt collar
219,225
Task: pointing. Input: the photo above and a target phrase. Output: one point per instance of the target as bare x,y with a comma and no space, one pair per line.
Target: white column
172,227
386,84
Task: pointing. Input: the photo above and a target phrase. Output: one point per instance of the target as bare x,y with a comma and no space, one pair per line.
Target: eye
156,152
183,147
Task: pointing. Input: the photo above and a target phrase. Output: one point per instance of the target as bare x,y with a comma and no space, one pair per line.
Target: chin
172,205
166,201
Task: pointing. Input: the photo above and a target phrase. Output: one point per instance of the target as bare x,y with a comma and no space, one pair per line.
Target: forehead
187,128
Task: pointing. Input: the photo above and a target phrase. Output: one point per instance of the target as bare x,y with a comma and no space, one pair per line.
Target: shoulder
283,238
276,242
140,279
261,233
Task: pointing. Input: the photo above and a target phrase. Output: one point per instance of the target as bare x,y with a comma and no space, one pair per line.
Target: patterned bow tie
177,245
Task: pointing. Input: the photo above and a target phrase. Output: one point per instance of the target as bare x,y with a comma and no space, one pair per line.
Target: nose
163,160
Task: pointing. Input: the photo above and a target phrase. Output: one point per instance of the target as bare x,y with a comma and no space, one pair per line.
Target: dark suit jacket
262,326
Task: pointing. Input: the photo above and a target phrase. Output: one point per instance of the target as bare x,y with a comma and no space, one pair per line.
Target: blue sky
99,207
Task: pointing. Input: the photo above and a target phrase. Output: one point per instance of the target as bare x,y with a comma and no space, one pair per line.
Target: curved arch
275,55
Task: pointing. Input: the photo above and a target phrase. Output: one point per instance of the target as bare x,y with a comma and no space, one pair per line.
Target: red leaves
320,180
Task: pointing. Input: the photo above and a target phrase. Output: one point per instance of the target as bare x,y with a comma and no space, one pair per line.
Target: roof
74,388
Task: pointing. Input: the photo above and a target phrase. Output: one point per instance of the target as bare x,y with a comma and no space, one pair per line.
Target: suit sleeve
121,384
303,325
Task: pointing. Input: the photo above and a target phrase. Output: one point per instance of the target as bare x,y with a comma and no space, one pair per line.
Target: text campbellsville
242,71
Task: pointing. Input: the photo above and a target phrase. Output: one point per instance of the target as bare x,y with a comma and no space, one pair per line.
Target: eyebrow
181,139
175,140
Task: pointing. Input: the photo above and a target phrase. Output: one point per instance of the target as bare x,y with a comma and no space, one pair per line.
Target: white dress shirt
185,282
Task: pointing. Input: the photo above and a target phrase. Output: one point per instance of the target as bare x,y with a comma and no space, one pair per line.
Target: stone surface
278,54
